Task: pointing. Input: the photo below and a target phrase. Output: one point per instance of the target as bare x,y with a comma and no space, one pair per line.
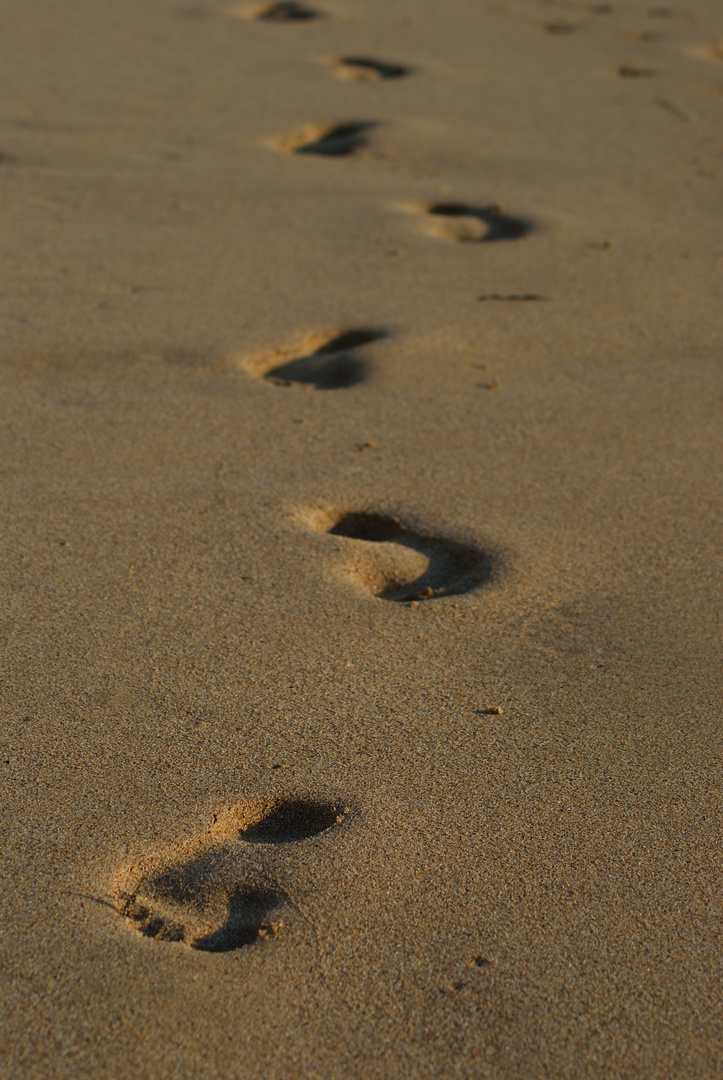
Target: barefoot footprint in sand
324,140
364,69
396,561
280,12
325,360
465,223
215,892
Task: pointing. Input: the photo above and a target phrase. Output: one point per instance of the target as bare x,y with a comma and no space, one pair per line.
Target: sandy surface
361,702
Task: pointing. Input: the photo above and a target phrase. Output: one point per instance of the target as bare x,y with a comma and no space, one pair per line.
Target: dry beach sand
361,702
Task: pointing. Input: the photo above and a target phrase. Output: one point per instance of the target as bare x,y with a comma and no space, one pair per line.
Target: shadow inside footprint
364,69
287,12
247,910
246,920
211,893
183,901
332,366
337,140
290,821
442,567
465,223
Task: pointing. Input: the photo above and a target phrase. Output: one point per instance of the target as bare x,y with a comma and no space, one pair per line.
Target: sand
361,520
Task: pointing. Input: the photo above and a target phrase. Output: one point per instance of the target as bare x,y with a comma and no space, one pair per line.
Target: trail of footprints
218,891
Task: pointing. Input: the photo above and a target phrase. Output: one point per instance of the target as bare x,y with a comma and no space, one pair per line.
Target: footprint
160,914
395,561
633,71
465,223
326,140
363,69
288,822
281,12
212,893
512,297
323,361
557,28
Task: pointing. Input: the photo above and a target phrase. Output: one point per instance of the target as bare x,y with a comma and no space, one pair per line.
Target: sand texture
361,520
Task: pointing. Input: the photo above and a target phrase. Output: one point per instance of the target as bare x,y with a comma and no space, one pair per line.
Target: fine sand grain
361,540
